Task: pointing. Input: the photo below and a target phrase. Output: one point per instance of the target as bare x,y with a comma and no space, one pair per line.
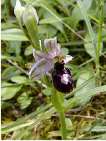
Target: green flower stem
58,102
101,15
63,125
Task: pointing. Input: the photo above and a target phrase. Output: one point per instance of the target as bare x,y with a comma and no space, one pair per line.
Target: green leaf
87,21
68,123
9,90
57,24
51,20
13,35
47,30
90,49
28,50
47,91
97,128
76,13
19,79
83,98
5,57
50,12
82,95
9,72
18,35
15,47
24,100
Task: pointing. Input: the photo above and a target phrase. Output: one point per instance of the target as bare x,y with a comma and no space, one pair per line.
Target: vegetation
32,108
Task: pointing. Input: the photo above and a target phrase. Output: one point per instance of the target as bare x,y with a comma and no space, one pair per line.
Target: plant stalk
63,125
98,50
58,102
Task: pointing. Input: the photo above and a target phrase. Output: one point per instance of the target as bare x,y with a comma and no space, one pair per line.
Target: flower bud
18,11
30,21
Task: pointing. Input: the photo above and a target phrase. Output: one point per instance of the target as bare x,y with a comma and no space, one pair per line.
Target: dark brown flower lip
62,84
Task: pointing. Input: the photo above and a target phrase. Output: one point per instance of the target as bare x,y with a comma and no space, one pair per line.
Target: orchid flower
44,60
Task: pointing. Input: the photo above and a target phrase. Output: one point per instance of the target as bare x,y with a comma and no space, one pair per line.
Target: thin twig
18,67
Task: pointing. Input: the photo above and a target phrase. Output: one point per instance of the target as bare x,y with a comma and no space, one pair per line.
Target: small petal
67,59
40,68
54,52
50,43
53,48
35,66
